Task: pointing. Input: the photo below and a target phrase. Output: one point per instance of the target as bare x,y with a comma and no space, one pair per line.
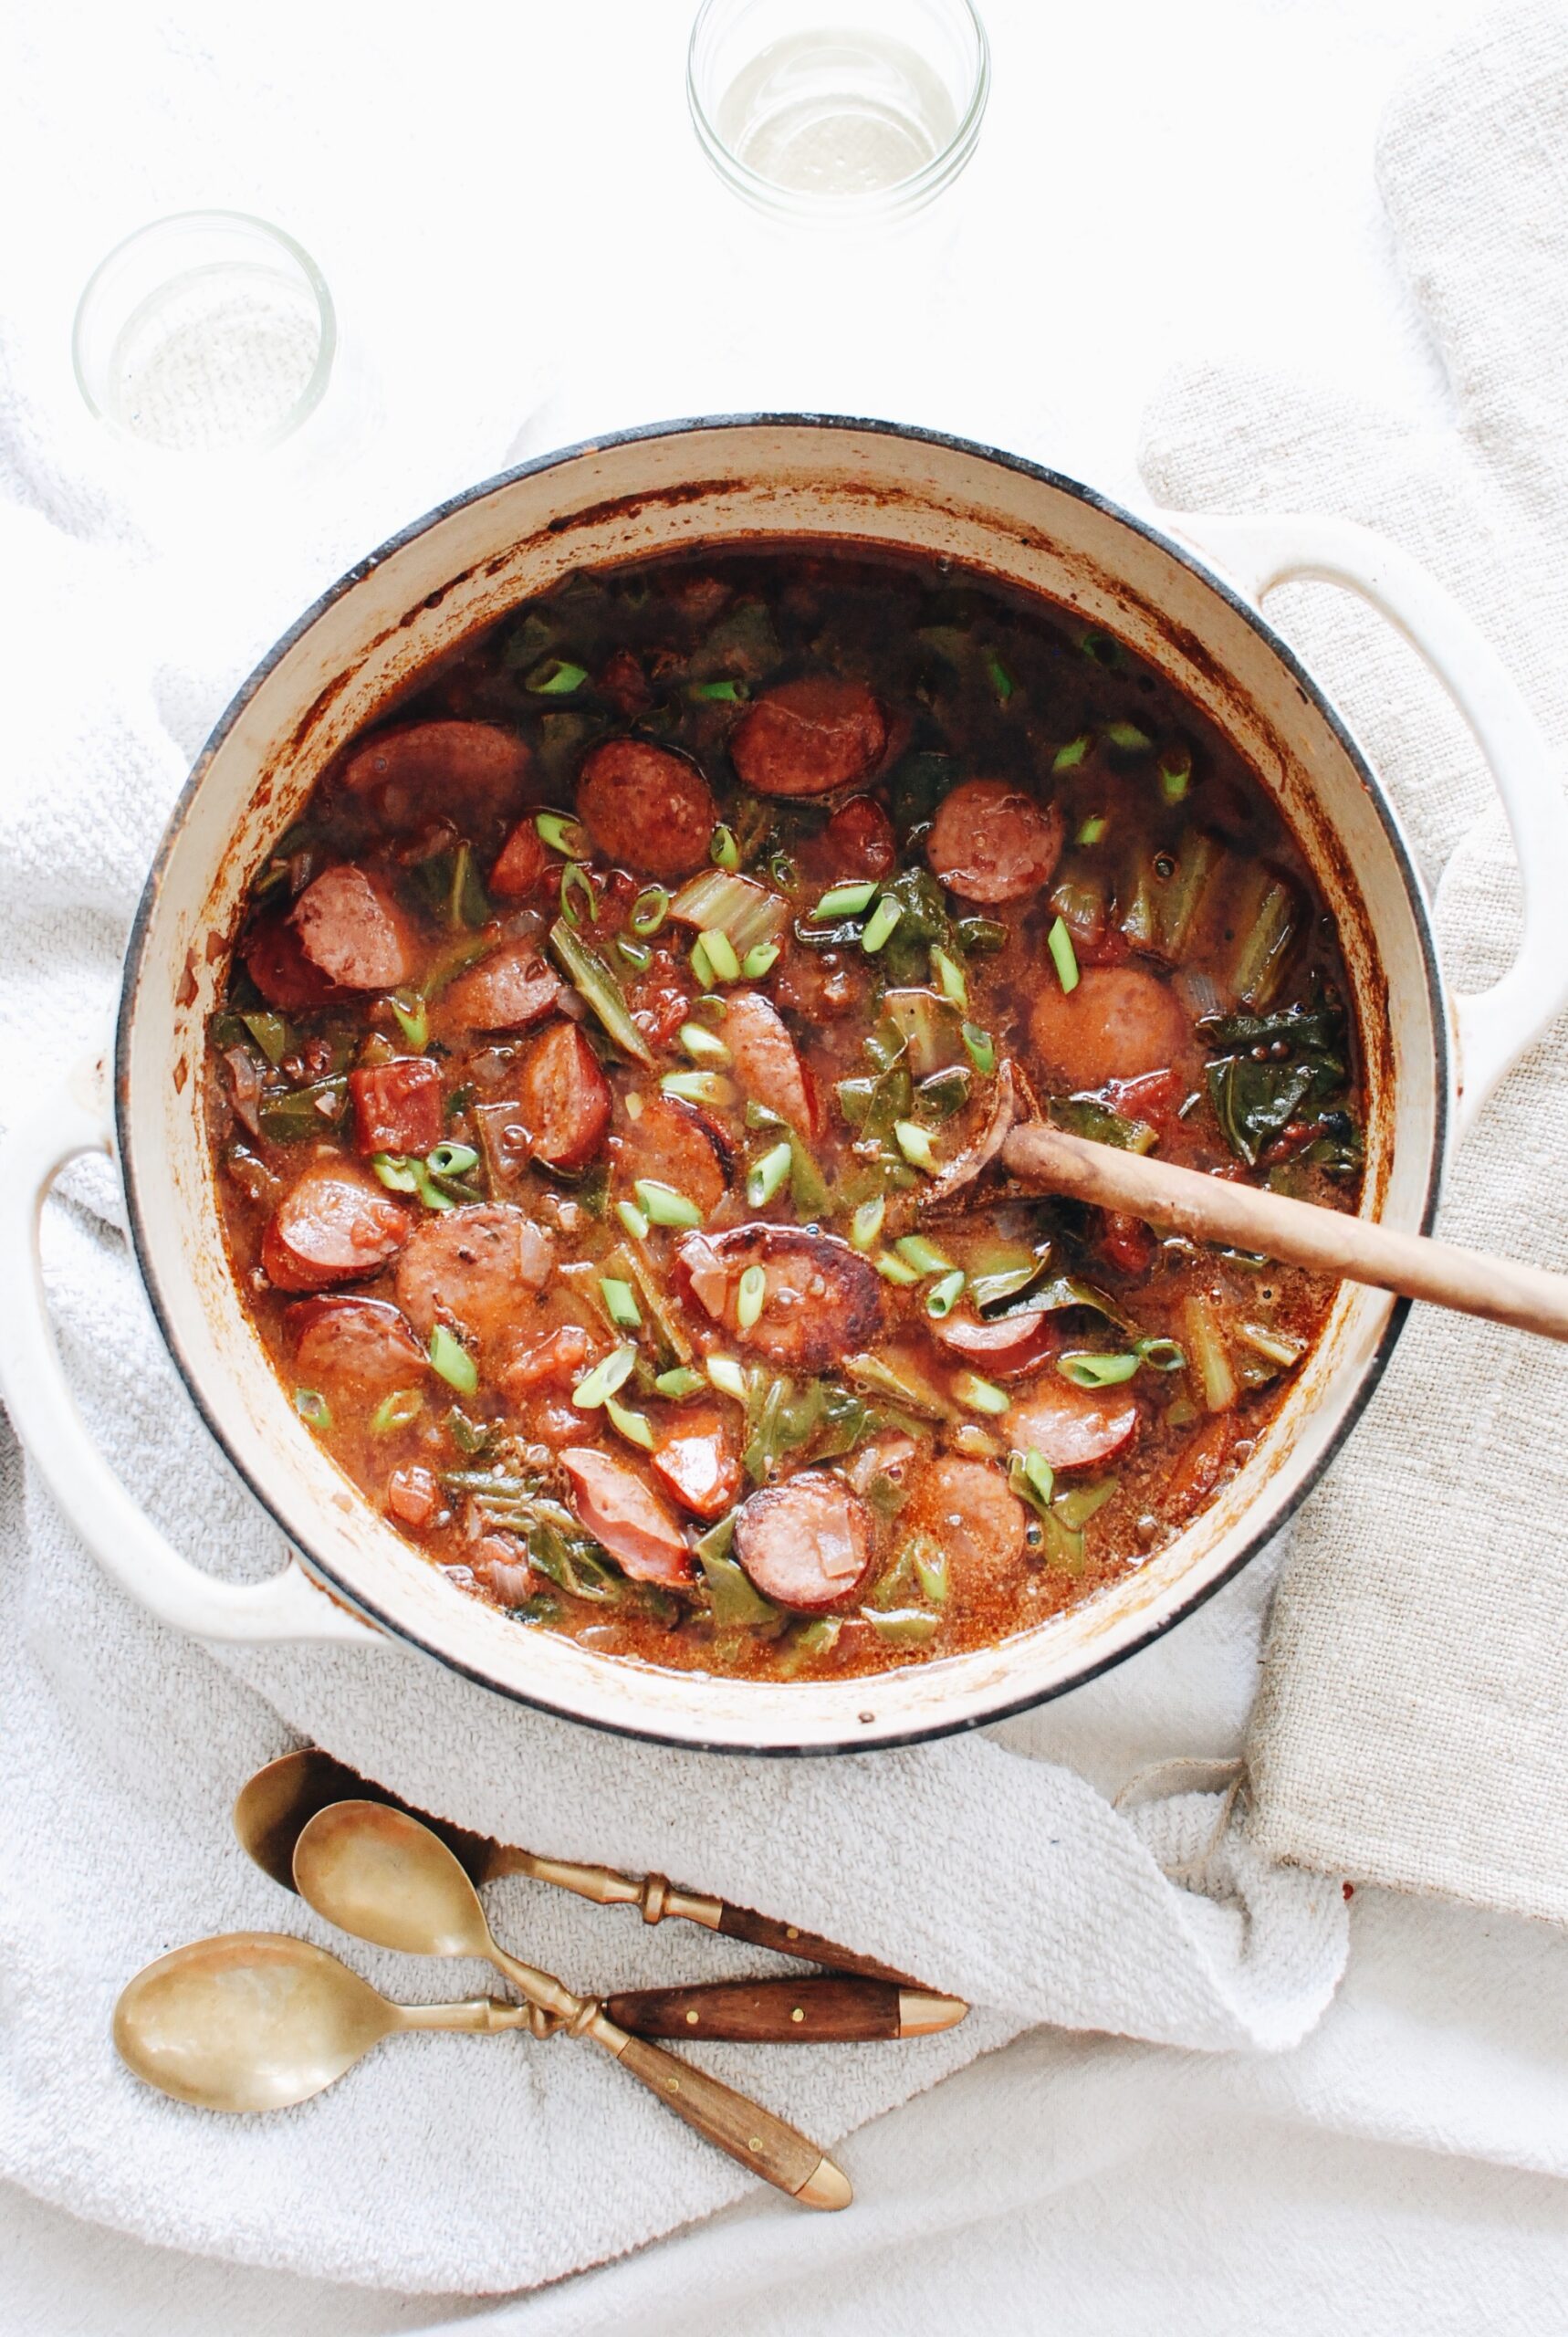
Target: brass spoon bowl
253,2020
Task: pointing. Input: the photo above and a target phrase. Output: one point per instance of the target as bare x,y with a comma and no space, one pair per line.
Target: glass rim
904,194
310,395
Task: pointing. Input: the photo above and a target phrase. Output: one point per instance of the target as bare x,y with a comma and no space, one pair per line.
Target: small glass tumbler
829,110
209,334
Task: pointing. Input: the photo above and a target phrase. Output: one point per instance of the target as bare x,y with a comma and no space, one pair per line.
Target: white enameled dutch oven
1430,1059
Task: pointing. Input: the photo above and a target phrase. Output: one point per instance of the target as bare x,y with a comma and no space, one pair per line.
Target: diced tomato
397,1105
1126,1242
413,1495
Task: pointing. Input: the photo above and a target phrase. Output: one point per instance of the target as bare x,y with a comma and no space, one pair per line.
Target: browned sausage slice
352,932
362,1344
1004,1350
397,1105
806,738
519,864
990,842
675,1144
333,1225
859,839
697,1463
646,807
821,1300
473,1267
275,962
1118,1023
766,1061
618,1509
505,992
965,1505
564,1098
809,1542
467,772
1072,1427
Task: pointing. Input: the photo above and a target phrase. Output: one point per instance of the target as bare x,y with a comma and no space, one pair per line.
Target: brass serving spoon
252,2020
379,1874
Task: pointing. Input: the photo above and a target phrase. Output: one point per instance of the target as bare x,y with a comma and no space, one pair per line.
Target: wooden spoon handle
788,1939
760,2141
786,2012
1329,1241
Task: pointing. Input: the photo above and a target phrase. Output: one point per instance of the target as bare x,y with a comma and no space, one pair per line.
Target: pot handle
1495,1027
126,1546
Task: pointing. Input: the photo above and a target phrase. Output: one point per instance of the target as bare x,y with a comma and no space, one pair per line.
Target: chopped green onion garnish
577,895
751,1297
664,1205
412,1020
396,1410
895,1269
1089,1371
1074,1509
1093,828
923,1256
915,1143
766,1175
312,1408
980,1047
632,1219
880,924
611,1372
760,960
649,910
619,1303
721,957
636,953
783,870
727,1376
702,964
681,1382
634,1426
451,1160
1059,941
722,848
1162,1354
973,933
842,900
563,834
402,1173
944,1296
980,1395
1031,1479
703,1046
1103,647
1001,680
725,694
1127,735
866,1223
710,1087
930,1563
452,1360
949,977
555,678
1176,773
1068,758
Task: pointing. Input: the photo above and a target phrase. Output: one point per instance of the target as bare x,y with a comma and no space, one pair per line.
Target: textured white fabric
1413,1724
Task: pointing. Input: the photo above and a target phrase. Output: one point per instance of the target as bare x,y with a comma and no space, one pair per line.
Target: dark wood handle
788,1939
771,2012
760,2141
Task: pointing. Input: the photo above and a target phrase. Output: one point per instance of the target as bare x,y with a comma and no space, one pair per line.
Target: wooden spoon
1299,1233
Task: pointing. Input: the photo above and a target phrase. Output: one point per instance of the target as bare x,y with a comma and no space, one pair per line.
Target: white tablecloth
1154,184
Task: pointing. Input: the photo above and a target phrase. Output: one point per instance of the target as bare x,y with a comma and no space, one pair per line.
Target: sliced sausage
807,1543
806,738
509,989
358,1343
472,1267
275,961
353,930
332,1225
564,1098
990,842
675,1144
698,1465
628,1517
1117,1025
966,1506
821,1300
1005,1349
468,773
859,839
646,807
766,1061
1200,1464
555,1360
1072,1427
519,864
397,1105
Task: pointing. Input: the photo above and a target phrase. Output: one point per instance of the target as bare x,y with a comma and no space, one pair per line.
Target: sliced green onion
766,1175
783,870
981,1395
751,1297
711,1001
1089,1371
1031,1478
649,910
724,694
636,953
1127,735
1277,1347
980,1048
396,1410
727,1376
576,885
866,1223
402,1173
710,1087
451,1160
1162,1355
880,924
452,1360
313,1408
563,834
842,900
923,1256
903,1626
1176,773
555,678
681,1382
611,1372
915,1143
721,957
944,1296
895,1269
722,848
760,960
662,1205
412,1020
1001,680
973,933
1075,1509
702,964
1068,758
619,1303
949,977
634,1426
1091,829
929,1560
1063,957
1103,648
632,1219
702,1045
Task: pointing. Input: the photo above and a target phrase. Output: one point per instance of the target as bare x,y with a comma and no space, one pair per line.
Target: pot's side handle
44,1412
1495,1026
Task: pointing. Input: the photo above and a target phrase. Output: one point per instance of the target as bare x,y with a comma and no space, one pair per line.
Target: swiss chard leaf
1256,1102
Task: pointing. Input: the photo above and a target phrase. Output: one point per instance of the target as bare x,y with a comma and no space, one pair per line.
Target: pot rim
1277,1515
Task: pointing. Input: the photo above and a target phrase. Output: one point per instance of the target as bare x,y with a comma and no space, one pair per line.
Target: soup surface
606,1100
